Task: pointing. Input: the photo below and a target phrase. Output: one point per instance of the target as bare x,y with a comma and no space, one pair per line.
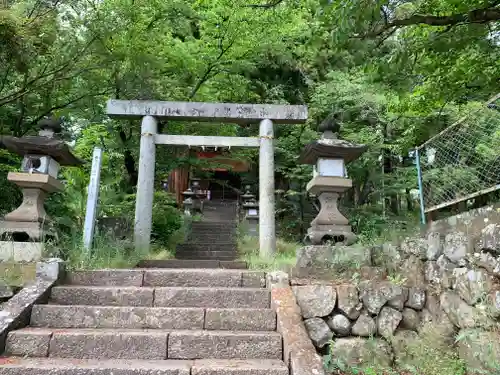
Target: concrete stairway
151,322
214,237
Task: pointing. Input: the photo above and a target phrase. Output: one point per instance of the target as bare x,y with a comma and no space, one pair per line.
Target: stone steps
210,242
211,239
192,256
203,246
214,237
197,250
215,224
223,234
129,317
227,230
201,254
143,344
167,278
218,219
229,237
58,366
151,321
210,297
182,263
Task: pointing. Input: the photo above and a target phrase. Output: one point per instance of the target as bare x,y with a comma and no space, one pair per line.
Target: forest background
394,73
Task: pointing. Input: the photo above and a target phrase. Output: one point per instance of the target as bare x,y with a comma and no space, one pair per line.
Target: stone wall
446,278
6,291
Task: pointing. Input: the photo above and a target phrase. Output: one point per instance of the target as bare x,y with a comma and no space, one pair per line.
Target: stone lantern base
24,231
21,252
329,226
320,234
252,225
327,262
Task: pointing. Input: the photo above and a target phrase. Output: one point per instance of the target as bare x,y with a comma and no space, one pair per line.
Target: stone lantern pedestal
24,231
329,225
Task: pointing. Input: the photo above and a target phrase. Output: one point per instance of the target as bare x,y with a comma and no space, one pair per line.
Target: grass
107,252
432,353
285,257
16,274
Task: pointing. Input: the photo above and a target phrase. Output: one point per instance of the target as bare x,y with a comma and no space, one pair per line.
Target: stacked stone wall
448,278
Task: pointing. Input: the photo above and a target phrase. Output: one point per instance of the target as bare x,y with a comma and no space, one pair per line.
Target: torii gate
150,111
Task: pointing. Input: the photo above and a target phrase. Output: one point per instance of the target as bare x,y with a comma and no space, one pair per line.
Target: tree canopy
397,72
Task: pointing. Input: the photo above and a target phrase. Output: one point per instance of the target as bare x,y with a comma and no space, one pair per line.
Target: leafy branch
267,5
209,72
50,74
491,13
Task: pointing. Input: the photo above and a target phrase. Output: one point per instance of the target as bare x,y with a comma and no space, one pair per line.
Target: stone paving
175,321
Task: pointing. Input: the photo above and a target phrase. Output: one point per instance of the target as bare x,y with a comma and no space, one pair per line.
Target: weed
285,256
482,351
397,279
105,253
363,361
432,353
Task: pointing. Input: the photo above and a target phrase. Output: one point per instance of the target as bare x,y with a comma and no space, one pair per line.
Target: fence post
420,186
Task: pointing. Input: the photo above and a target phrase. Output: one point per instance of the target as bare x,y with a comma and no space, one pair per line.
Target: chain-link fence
463,161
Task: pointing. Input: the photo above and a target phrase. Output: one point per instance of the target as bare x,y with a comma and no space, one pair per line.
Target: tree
395,72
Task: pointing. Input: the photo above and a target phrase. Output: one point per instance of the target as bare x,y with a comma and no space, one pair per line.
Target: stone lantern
251,207
188,201
198,195
24,230
329,156
195,184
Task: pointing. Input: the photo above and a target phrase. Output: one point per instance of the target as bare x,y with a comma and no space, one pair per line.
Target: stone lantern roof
45,143
329,146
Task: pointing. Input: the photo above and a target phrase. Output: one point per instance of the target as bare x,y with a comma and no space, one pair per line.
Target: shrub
167,219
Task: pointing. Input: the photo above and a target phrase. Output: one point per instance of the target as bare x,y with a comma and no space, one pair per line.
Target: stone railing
15,313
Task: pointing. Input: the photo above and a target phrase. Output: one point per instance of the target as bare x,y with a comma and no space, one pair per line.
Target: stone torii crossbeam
150,111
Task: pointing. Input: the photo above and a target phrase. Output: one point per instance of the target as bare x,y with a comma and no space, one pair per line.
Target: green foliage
166,219
7,164
392,90
432,353
248,248
335,364
106,253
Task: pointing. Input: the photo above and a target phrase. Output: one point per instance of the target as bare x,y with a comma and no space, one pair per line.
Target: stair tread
132,288
171,296
141,331
65,363
151,344
241,309
212,244
181,367
192,263
189,277
168,318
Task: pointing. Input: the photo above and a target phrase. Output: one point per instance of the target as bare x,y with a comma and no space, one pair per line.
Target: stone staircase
214,237
151,322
